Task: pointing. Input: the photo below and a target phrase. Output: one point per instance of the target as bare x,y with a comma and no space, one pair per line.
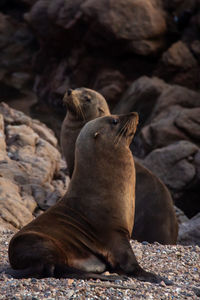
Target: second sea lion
83,105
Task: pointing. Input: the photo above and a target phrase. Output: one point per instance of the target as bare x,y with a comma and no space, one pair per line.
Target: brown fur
83,105
89,229
155,219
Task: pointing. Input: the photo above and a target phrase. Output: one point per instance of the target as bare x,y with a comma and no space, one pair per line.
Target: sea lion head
113,131
85,104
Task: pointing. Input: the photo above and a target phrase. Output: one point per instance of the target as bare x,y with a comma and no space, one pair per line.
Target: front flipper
122,259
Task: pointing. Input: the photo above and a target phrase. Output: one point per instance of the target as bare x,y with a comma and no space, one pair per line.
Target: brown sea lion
155,219
83,105
88,231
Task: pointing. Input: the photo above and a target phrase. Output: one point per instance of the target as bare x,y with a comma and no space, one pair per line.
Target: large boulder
30,168
175,164
85,43
141,96
175,117
178,165
178,65
141,23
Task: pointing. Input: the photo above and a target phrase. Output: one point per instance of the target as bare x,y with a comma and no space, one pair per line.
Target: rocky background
31,169
141,55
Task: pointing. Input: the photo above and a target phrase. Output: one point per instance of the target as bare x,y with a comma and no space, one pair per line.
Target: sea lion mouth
71,108
73,105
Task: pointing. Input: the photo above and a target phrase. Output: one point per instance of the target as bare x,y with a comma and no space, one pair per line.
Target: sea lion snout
128,125
130,116
69,91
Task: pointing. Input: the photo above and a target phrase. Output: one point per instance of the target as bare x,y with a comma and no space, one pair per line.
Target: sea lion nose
69,91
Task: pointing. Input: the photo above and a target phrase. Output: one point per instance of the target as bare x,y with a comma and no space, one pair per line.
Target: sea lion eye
115,121
87,99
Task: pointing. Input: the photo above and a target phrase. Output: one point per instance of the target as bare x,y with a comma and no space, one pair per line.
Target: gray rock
30,165
174,164
141,96
189,232
178,56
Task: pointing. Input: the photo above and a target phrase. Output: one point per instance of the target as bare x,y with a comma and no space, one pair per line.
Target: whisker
81,111
120,134
124,129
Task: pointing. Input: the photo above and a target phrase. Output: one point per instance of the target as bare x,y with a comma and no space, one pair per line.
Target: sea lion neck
103,165
74,120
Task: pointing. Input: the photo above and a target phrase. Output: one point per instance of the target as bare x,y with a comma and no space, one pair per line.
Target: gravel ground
181,264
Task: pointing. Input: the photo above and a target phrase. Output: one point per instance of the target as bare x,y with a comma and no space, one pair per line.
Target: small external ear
96,134
101,109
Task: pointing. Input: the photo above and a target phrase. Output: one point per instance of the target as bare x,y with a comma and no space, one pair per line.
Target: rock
189,232
15,57
168,113
178,65
139,22
178,57
2,139
141,96
168,141
178,96
30,168
105,33
189,121
179,5
181,217
110,84
174,117
195,48
13,211
29,2
174,164
178,166
17,117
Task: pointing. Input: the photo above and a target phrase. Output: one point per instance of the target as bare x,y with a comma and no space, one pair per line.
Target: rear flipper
59,272
38,271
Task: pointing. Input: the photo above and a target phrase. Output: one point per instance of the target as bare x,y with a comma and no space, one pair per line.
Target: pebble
180,264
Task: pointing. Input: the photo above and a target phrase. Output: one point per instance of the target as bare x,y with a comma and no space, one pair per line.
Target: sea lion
155,219
88,231
83,105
